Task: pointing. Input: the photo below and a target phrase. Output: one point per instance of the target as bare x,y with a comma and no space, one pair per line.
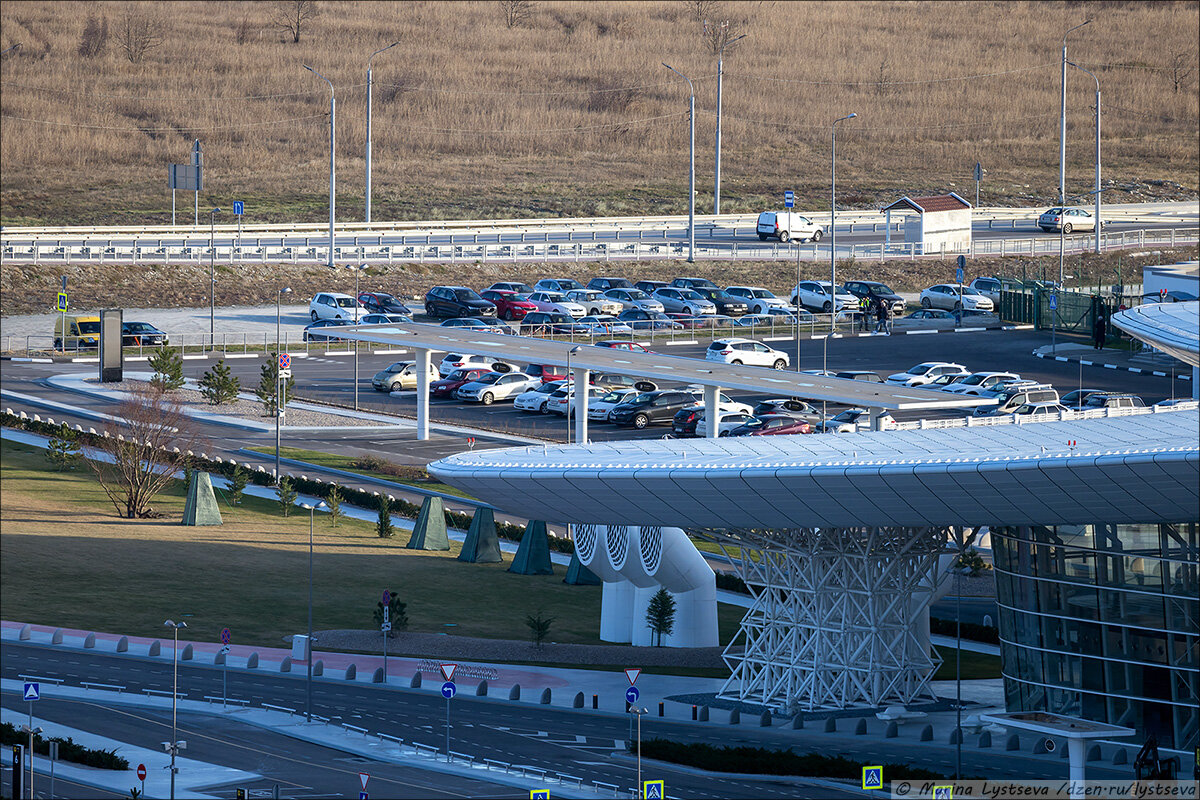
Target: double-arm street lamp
1062,120
332,142
1097,190
720,81
312,511
832,228
691,164
370,82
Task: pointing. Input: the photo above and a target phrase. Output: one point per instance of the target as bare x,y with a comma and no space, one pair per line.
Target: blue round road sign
449,690
226,636
632,694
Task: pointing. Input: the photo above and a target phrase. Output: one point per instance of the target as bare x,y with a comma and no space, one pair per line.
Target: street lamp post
332,141
832,223
357,271
1062,121
720,81
174,744
639,712
370,82
572,399
1097,189
32,731
212,278
312,511
691,165
279,379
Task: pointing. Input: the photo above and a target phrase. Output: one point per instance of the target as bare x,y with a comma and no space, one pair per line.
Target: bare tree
516,12
94,39
719,34
241,33
138,459
138,32
700,9
1180,68
293,16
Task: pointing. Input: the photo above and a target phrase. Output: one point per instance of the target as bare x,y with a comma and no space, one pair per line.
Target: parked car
926,371
556,285
861,289
454,361
787,225
1069,219
790,406
694,283
649,287
557,303
599,408
683,301
746,351
1042,412
633,298
142,334
516,287
930,313
817,295
641,320
383,303
991,287
396,377
1112,400
945,295
723,301
692,421
384,319
447,386
546,322
853,420
1011,398
562,400
311,330
493,386
606,325
509,304
534,398
474,323
646,408
860,375
1075,398
622,344
758,299
979,382
457,301
333,305
757,321
604,284
546,373
595,302
772,425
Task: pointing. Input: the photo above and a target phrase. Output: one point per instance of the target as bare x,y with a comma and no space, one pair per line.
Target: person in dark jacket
1099,330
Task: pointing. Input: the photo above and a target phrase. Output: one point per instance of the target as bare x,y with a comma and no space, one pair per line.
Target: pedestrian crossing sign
872,778
539,794
943,792
654,790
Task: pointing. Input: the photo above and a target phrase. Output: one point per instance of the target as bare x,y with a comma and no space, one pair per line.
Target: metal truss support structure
840,615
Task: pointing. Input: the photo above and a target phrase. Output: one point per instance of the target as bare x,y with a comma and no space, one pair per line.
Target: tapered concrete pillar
422,393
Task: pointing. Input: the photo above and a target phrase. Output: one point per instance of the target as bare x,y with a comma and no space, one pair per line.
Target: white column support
711,414
422,365
581,378
876,415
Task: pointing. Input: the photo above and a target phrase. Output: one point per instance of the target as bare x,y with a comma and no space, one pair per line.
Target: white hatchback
334,305
535,397
598,409
746,351
495,386
758,299
562,401
946,295
927,372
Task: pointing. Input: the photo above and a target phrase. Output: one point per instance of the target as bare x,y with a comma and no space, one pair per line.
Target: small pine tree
334,501
660,614
397,615
218,385
539,627
383,526
287,496
167,363
238,480
268,374
63,449
189,469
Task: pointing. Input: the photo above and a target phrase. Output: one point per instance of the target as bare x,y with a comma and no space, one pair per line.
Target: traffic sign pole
386,628
448,691
141,773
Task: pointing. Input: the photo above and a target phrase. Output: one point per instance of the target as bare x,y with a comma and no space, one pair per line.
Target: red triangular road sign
363,778
448,671
632,675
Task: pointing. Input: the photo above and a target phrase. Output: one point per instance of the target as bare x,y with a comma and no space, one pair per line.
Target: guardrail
1013,419
108,686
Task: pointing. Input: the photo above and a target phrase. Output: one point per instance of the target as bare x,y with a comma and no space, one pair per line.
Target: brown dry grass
474,119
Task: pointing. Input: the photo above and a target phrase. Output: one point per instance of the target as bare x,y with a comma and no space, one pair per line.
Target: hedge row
970,630
761,761
356,497
68,750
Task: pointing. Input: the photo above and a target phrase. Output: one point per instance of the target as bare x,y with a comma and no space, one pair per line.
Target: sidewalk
1158,364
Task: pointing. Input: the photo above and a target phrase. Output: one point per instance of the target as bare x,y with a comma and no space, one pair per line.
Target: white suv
787,225
745,351
333,305
758,299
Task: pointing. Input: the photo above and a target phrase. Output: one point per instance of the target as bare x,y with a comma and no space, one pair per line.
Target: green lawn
975,666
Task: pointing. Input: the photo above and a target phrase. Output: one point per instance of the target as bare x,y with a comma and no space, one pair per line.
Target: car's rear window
465,294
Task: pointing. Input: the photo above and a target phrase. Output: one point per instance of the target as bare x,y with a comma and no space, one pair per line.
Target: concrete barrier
860,728
1120,757
893,730
123,644
286,664
26,633
515,692
415,681
765,720
187,653
90,641
378,676
735,716
219,658
56,637
1013,742
155,649
831,724
318,668
546,696
798,722
481,689
351,672
703,714
927,733
956,736
578,702
1039,746
985,739
252,661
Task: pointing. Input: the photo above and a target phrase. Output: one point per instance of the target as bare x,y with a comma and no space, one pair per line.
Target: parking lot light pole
639,712
32,731
691,164
1097,189
358,270
212,278
720,82
573,398
332,141
174,746
833,222
279,390
370,83
312,511
1062,121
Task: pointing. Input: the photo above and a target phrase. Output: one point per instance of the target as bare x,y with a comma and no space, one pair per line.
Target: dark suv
457,301
728,304
861,289
604,284
649,407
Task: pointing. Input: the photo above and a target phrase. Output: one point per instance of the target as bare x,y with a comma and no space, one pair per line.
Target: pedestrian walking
1099,329
864,310
887,315
880,319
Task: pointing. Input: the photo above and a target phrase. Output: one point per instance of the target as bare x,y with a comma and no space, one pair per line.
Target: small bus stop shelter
939,223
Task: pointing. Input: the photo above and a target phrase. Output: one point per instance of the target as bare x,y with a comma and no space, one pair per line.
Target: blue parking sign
789,199
238,207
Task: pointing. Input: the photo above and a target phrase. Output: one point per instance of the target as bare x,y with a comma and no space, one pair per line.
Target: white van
788,225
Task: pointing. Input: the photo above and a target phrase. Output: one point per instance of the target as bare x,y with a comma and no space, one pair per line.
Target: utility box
111,355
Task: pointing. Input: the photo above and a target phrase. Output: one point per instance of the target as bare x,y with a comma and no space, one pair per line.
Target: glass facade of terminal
1103,622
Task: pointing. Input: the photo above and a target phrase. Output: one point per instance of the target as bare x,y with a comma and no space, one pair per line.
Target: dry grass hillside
571,111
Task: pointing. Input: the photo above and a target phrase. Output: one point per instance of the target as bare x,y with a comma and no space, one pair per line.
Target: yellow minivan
81,332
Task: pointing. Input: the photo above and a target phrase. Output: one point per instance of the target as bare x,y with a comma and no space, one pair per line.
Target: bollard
704,713
798,722
251,662
351,672
765,720
831,725
735,717
956,736
56,638
155,648
927,733
378,676
546,696
123,644
318,668
985,739
482,689
1013,742
596,704
415,683
90,641
660,709
578,701
515,692
693,709
893,730
286,664
26,632
860,728
987,620
186,655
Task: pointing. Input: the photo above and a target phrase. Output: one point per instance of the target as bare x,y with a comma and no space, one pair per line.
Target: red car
547,373
623,344
446,386
509,305
771,424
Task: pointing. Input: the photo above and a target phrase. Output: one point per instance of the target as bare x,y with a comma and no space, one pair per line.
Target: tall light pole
717,170
1097,189
332,142
212,278
312,511
358,270
832,224
174,744
32,731
370,82
691,165
279,391
639,712
571,399
1062,121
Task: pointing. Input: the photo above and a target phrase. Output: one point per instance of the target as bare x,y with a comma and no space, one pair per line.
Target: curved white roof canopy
1173,328
1143,468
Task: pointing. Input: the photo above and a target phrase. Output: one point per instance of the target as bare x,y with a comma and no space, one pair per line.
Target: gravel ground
436,645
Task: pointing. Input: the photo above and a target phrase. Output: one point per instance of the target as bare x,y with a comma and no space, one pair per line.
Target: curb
1183,376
